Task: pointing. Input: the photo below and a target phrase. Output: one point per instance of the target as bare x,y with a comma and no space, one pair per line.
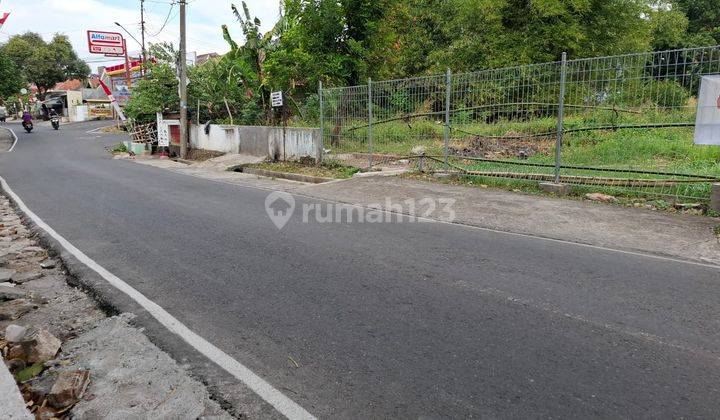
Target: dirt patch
201,155
502,147
329,170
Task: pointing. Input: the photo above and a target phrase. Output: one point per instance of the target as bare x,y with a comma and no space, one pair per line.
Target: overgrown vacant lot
645,139
668,148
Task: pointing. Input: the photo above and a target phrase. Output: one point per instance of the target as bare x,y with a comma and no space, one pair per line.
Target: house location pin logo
279,206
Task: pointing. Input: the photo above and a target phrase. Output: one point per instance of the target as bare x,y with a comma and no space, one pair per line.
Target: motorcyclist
26,118
54,119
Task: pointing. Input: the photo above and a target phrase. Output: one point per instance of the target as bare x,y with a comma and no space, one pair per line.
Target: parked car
3,113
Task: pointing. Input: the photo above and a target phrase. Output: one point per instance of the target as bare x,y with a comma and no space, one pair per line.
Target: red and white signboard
3,18
100,42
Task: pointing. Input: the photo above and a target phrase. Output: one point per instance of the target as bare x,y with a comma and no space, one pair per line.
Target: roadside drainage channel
282,175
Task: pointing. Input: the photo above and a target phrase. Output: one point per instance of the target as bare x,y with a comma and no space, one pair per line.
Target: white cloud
74,17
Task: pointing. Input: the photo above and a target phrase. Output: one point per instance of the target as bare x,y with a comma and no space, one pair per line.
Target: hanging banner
3,18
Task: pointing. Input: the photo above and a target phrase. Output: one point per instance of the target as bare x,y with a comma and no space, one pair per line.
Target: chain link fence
608,123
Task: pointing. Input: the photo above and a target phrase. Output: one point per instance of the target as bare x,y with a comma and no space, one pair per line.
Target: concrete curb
715,198
11,401
371,174
285,175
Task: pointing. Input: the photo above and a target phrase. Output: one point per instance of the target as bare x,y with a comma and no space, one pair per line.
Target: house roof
72,84
202,58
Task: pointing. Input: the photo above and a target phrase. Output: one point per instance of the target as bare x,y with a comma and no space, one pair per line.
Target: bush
668,94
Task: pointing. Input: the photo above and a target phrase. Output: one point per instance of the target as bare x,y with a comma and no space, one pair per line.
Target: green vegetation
120,148
43,63
345,42
328,169
29,372
11,80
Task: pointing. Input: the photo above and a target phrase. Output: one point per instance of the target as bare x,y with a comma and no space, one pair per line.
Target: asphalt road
401,320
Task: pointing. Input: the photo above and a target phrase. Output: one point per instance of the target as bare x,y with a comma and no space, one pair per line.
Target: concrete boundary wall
280,143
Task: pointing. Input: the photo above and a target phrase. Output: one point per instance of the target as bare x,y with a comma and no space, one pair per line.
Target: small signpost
276,99
100,42
163,136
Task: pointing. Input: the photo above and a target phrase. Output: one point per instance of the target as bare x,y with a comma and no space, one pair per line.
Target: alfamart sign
100,42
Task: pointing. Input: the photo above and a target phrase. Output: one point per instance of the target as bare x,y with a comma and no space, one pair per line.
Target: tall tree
333,40
704,20
491,33
11,80
45,63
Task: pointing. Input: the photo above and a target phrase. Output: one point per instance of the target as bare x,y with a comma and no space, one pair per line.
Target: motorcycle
28,126
55,121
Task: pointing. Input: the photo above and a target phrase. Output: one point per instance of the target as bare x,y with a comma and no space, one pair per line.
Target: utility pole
128,75
182,70
142,38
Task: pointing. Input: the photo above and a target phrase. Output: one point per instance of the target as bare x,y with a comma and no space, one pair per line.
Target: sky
74,17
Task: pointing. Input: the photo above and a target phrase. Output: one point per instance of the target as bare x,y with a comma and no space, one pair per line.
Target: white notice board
707,120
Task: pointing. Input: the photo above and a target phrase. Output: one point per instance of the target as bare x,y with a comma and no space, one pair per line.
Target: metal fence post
321,142
561,111
448,82
370,127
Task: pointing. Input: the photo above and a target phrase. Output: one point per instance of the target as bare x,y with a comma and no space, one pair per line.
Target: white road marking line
14,136
95,130
267,392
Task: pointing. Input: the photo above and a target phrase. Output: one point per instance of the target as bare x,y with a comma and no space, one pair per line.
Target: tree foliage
45,63
703,20
155,94
11,80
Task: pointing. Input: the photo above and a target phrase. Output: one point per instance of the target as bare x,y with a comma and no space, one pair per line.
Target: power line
167,19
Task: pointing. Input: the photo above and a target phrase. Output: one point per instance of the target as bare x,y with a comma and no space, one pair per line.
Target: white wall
222,138
275,142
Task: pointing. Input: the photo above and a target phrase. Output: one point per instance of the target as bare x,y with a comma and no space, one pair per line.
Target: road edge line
283,404
14,136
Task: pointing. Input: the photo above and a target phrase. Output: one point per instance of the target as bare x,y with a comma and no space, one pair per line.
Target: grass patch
29,372
625,198
119,148
330,169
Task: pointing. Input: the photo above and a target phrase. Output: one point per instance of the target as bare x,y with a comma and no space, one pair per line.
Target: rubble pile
68,357
29,340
